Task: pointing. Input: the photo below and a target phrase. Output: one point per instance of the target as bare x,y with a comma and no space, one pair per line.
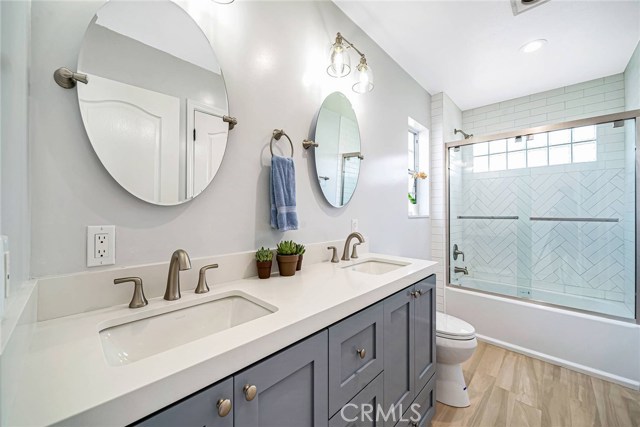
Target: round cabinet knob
224,407
419,292
249,391
414,294
362,353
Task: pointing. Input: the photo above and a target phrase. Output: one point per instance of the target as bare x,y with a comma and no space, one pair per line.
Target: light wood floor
512,390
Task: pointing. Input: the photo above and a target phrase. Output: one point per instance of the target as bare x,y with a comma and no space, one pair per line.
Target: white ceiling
469,49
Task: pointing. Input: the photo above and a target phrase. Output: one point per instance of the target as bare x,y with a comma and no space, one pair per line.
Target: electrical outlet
354,225
101,245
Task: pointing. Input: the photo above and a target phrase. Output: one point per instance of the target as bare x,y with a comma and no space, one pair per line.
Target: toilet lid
451,327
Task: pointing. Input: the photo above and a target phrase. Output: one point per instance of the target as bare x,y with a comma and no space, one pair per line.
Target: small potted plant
264,259
287,258
299,251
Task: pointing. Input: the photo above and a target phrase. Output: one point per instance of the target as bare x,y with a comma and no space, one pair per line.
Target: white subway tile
584,85
547,94
531,105
586,100
614,78
548,108
566,97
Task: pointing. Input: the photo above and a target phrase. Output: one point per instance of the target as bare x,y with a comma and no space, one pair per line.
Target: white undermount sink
376,266
137,339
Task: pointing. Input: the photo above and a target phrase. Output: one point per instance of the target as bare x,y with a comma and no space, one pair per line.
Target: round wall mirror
155,100
338,154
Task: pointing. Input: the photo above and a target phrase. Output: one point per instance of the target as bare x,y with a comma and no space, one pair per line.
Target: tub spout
461,270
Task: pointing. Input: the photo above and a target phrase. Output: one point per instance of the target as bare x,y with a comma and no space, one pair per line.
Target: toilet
455,344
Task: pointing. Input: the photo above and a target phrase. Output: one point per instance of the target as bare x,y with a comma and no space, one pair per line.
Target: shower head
466,135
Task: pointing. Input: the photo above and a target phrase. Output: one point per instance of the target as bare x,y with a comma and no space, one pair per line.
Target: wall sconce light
340,65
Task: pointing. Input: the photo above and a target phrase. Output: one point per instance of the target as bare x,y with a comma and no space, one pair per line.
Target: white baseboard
635,385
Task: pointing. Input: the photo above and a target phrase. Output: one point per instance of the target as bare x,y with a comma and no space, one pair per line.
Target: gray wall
14,135
273,56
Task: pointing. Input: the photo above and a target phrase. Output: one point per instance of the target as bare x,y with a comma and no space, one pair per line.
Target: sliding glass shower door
548,216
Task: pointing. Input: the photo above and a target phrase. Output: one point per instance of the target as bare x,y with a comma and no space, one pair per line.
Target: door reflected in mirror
338,155
154,104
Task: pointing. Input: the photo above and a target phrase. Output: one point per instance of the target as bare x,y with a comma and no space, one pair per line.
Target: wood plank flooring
512,390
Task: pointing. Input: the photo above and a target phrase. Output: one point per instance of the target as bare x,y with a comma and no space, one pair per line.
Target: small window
561,147
417,170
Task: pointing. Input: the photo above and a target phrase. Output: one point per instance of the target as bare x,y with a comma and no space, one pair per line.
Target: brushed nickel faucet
179,262
138,300
347,244
461,270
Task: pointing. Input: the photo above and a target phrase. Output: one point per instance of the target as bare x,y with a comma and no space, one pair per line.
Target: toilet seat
452,328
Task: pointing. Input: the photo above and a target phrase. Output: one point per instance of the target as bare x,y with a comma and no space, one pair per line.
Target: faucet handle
334,256
138,300
354,253
202,287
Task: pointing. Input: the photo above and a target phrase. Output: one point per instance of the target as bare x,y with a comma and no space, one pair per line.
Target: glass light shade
365,78
339,60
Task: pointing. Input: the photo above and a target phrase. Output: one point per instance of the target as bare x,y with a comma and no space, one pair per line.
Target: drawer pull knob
362,353
224,407
249,391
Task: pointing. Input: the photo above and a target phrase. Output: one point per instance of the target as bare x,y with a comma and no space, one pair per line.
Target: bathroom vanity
285,351
382,356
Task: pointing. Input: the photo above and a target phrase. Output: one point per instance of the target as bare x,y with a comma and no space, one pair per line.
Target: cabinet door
425,338
355,355
362,410
199,410
399,386
291,388
421,412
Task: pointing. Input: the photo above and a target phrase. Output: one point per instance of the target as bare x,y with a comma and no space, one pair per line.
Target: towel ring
277,134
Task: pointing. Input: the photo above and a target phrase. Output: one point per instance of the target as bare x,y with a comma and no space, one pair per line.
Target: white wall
445,117
587,99
632,81
273,56
14,137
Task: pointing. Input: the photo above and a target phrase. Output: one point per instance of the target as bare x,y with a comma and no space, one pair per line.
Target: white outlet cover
106,255
354,225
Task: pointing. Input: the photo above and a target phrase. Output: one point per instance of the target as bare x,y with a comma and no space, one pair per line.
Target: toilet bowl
455,344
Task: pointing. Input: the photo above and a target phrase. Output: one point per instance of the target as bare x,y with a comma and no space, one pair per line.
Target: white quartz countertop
67,380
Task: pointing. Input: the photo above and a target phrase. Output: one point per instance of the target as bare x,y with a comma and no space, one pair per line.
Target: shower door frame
597,120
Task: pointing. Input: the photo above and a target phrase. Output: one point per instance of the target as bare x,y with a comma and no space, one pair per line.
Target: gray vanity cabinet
199,410
380,357
290,388
361,410
424,408
409,345
399,343
355,355
424,331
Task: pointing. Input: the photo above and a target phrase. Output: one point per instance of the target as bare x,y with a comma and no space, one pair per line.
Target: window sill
418,216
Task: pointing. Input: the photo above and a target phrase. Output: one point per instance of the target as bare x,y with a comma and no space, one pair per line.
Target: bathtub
595,345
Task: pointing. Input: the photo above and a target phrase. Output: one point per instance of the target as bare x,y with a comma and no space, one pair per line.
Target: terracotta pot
264,269
299,266
287,264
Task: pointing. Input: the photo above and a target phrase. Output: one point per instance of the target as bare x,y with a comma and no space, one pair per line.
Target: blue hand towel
283,194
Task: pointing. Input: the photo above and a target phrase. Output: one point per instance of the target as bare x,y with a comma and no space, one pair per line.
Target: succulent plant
263,254
287,247
300,249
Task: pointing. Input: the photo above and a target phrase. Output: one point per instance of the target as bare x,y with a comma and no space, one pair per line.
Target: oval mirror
338,154
155,100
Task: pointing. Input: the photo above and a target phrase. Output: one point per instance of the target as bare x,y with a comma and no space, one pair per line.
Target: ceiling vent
520,6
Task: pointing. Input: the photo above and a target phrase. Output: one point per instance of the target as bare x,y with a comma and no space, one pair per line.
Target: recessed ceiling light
532,46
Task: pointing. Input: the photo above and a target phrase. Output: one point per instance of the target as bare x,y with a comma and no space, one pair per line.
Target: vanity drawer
427,409
355,355
361,410
198,410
